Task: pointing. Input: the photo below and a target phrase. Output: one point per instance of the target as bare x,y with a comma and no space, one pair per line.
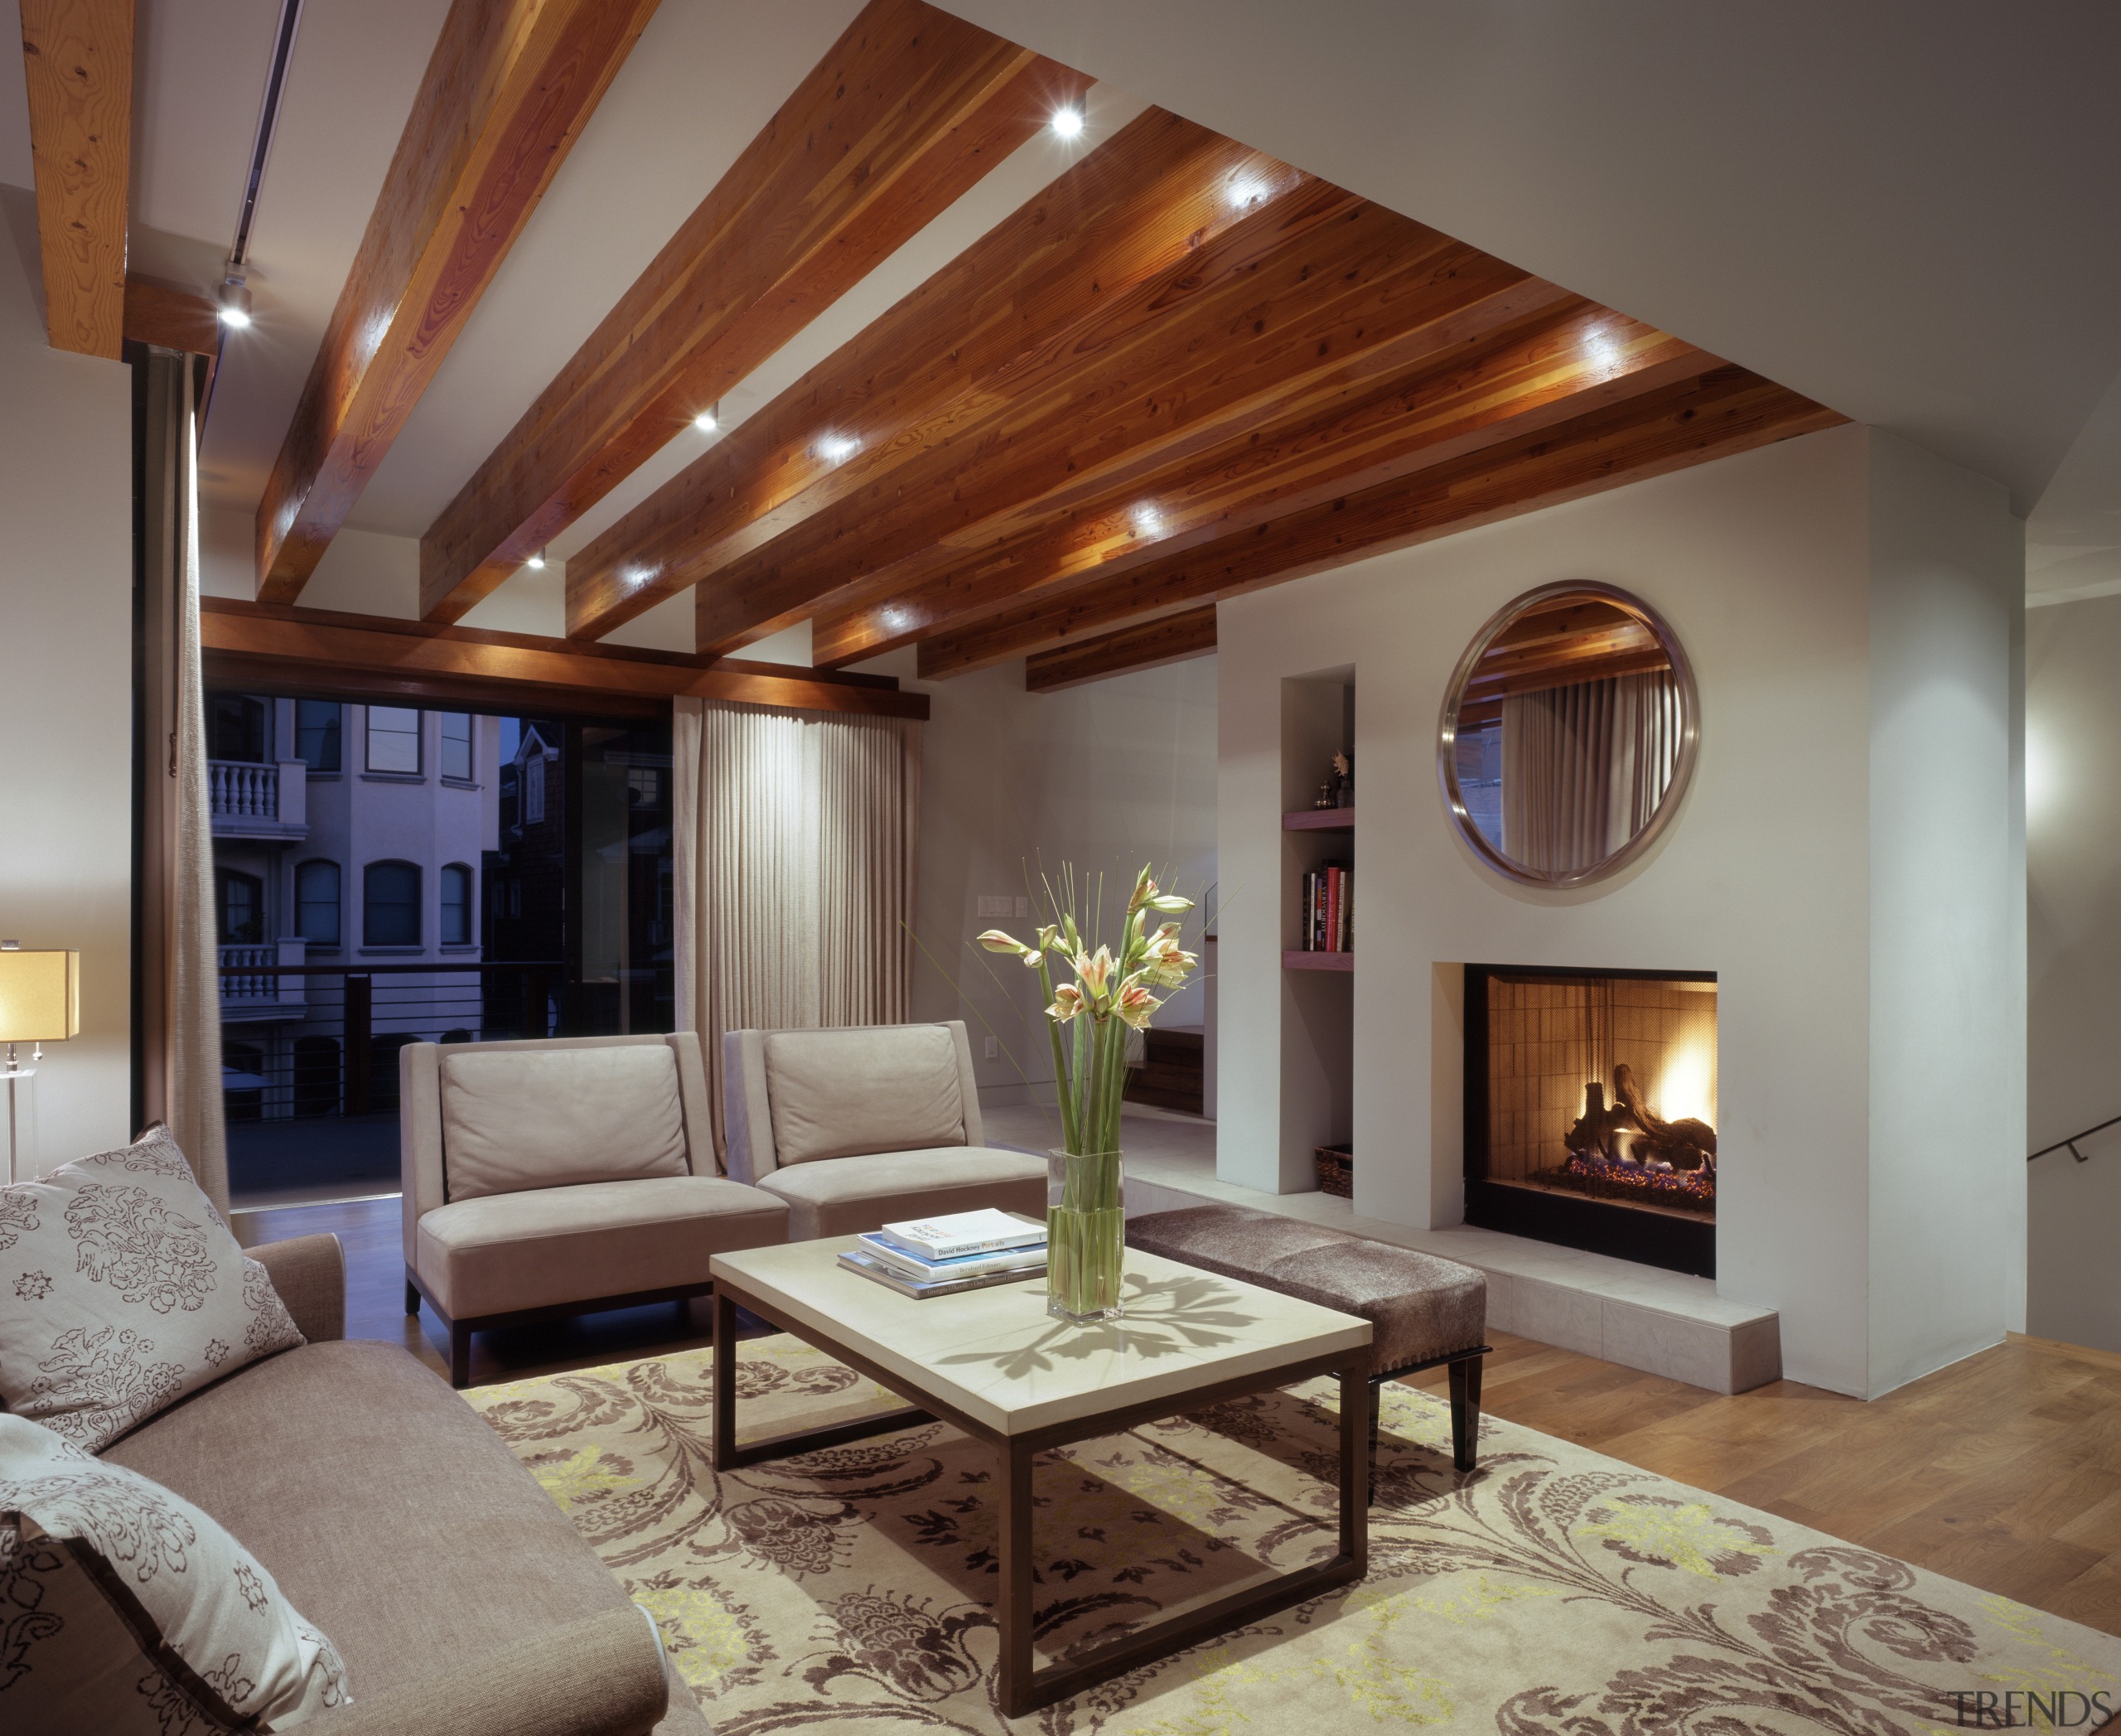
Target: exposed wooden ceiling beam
907,112
1307,300
173,318
1531,375
323,650
506,94
1144,645
992,324
1725,411
77,60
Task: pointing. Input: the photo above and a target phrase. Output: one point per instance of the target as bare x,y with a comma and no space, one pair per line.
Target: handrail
424,967
2070,1144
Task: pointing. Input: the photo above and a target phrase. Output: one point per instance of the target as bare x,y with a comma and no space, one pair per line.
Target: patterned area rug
1552,1591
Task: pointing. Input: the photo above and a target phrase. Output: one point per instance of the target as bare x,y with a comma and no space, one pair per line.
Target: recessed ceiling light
705,422
834,447
536,563
1068,123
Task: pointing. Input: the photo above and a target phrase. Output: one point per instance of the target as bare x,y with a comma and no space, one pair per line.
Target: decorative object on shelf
1335,1168
1326,796
1085,1216
1344,781
40,1003
1568,734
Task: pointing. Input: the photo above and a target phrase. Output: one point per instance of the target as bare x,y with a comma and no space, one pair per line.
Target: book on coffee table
870,1267
916,1269
958,1233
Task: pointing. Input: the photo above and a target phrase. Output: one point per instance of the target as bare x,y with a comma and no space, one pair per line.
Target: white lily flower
1170,904
1049,938
1094,971
1067,1002
994,940
1137,1006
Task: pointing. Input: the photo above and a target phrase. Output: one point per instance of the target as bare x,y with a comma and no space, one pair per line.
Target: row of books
938,1256
1327,911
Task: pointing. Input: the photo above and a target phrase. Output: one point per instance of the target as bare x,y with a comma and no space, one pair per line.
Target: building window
317,733
235,728
393,739
390,904
456,745
645,786
533,790
316,902
456,905
239,905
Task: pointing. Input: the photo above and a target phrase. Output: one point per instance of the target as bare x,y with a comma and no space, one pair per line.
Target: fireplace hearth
1591,1110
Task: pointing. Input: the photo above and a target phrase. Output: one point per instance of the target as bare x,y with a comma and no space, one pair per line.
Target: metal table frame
1024,1688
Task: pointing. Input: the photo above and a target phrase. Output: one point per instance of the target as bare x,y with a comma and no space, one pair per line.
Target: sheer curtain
180,985
796,840
1584,768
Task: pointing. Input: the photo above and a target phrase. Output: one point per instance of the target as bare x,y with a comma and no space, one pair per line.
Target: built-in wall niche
1320,919
1591,1110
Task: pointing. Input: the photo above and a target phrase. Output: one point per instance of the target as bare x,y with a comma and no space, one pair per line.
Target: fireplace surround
1591,1110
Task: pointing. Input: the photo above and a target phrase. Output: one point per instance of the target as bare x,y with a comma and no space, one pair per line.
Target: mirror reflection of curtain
1585,766
795,835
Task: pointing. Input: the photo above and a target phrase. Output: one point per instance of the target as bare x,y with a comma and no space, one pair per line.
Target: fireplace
1591,1110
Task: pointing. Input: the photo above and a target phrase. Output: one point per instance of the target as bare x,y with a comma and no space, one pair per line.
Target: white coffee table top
997,1357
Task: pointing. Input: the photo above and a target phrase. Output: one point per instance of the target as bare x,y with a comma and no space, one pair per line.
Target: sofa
563,1175
853,1127
462,1600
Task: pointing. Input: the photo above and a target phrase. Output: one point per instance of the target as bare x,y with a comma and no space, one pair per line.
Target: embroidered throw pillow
125,1609
120,1290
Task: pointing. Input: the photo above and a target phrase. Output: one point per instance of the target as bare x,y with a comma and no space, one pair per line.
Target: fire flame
1686,1091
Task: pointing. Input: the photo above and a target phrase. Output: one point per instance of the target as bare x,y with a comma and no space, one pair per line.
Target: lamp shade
40,996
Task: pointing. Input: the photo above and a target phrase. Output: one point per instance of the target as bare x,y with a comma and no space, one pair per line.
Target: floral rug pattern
1551,1593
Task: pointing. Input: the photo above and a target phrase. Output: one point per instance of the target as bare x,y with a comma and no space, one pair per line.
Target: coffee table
993,1364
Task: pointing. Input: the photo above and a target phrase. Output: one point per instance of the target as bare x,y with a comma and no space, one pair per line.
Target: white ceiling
1904,209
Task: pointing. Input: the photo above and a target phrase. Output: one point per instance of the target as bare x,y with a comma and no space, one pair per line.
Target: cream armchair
860,1125
563,1176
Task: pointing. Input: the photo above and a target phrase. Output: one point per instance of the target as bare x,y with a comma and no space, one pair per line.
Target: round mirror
1568,734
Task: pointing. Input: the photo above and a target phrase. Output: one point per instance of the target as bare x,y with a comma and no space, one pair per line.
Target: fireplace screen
1595,1088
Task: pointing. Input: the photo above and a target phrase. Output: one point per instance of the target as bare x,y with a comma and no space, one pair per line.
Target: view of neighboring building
350,836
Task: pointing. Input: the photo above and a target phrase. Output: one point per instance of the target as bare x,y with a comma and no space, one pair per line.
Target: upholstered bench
1422,1311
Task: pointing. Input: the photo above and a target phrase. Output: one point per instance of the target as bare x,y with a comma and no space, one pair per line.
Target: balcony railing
253,979
254,800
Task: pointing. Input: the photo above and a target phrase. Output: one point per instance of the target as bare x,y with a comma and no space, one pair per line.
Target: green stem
1060,1083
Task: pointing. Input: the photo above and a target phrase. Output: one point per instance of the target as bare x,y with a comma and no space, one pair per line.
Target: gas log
1629,1132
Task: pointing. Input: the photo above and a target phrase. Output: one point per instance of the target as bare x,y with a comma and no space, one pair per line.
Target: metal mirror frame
1447,757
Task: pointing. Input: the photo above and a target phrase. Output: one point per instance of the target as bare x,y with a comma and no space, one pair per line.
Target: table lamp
40,1003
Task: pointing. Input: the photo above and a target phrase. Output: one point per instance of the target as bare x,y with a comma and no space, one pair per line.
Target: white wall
66,708
1108,776
1819,586
2073,872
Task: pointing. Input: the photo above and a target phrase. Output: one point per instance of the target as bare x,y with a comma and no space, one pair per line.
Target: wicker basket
1335,1165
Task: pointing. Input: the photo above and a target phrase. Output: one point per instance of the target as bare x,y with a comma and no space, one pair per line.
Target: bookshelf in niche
1320,909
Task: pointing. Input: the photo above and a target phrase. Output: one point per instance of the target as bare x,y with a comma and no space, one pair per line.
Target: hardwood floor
2004,1471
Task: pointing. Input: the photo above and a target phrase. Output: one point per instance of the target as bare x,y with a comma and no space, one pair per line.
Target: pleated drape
180,989
1585,766
795,841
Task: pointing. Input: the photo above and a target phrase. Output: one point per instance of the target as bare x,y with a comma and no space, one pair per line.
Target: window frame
307,871
458,873
418,733
333,731
369,939
223,877
444,743
254,712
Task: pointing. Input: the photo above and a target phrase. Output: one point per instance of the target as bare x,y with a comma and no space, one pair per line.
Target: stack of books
1327,912
937,1256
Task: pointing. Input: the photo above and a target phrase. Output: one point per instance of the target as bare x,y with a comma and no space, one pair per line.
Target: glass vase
1085,1236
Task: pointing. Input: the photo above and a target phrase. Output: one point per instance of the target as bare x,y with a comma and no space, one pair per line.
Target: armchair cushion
847,1195
506,1251
515,1120
865,1088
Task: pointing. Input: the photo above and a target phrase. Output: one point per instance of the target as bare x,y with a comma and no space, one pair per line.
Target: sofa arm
310,1273
600,1677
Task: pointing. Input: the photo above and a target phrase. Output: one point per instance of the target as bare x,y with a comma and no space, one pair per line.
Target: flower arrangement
1087,1022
